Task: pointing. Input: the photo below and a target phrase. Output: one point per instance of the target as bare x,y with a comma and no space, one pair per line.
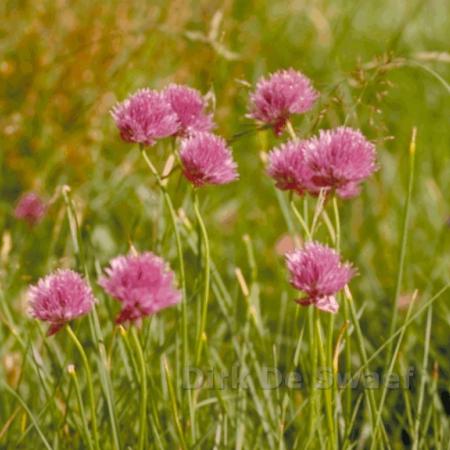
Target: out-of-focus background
382,66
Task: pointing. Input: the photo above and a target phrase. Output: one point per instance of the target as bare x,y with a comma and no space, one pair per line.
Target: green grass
380,66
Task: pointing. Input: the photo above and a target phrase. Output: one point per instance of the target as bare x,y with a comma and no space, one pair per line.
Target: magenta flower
318,272
144,117
142,283
59,298
287,166
189,106
340,160
276,98
30,208
207,159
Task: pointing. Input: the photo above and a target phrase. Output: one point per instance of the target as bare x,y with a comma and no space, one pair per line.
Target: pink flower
287,166
144,117
207,159
189,106
276,98
318,272
59,298
340,160
142,283
30,208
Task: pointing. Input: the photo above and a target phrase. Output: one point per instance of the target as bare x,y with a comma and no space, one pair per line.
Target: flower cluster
149,115
207,159
189,107
59,298
318,271
145,117
336,161
178,111
30,208
287,166
142,283
283,94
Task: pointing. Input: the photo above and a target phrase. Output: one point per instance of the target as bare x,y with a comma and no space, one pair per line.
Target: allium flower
287,166
207,159
144,117
318,272
142,283
340,160
189,106
30,208
59,298
276,98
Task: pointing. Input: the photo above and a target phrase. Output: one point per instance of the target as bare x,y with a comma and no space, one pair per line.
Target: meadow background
380,66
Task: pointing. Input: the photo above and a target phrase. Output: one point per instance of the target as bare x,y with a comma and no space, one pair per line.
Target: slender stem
301,220
337,221
391,353
290,130
423,378
312,313
348,350
204,307
403,245
73,374
90,384
173,402
182,273
143,380
328,391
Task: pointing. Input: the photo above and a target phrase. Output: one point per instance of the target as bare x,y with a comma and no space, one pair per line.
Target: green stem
205,300
173,402
143,399
290,130
90,384
301,220
423,379
173,219
312,313
403,245
328,392
73,374
390,360
348,350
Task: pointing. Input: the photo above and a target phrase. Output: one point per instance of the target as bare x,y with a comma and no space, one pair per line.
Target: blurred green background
380,66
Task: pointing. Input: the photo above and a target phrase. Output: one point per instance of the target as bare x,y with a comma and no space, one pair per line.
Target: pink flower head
144,117
207,159
142,283
276,98
189,106
59,298
318,272
287,166
30,208
340,160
